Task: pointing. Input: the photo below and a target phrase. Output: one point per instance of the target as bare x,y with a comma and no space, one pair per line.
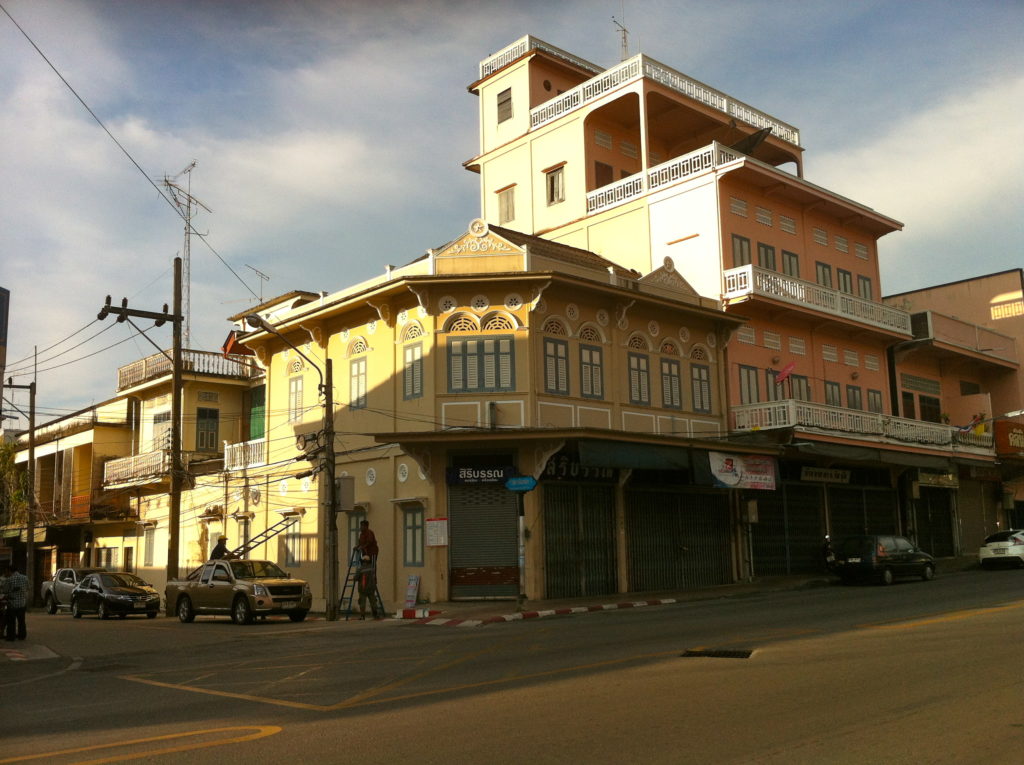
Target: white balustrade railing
521,47
643,66
193,362
133,468
748,280
792,413
245,455
674,170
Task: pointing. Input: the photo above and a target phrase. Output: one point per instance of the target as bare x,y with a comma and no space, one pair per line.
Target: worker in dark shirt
221,550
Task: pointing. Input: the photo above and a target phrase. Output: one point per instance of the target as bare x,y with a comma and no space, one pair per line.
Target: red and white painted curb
443,622
415,613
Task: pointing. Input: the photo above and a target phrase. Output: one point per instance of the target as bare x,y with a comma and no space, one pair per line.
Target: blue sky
329,138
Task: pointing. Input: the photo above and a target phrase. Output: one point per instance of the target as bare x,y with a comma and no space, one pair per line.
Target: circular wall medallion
602,317
684,334
513,300
572,312
478,227
541,307
371,476
447,304
403,472
480,303
654,328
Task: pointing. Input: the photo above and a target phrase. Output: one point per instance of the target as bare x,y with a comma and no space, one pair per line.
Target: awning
867,454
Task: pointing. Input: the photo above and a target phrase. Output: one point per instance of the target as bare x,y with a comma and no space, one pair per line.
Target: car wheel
297,616
104,611
186,613
928,573
151,614
887,577
240,611
51,605
76,612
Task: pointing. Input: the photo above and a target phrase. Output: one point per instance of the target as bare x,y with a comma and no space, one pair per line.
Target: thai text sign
742,471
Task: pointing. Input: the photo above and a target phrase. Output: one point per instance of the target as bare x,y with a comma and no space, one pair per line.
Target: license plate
999,551
139,605
853,560
288,604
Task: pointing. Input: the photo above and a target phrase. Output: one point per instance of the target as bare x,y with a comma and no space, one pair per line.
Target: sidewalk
477,613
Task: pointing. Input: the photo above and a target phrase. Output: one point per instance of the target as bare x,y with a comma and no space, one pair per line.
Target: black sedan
107,593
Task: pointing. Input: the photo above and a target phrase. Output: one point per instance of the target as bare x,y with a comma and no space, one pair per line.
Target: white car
1005,547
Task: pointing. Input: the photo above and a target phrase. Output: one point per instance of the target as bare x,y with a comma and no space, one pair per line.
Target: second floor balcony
138,468
855,423
193,362
246,454
753,281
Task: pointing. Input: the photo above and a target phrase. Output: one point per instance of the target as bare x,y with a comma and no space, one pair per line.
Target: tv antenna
263,278
182,197
623,32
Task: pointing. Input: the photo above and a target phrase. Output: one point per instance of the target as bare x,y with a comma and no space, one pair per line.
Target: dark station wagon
881,558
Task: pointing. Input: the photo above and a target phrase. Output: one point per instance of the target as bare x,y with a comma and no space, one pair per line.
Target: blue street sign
521,483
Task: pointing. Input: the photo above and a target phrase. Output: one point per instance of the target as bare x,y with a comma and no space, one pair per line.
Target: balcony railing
792,413
753,280
128,469
193,362
245,455
520,48
675,170
639,66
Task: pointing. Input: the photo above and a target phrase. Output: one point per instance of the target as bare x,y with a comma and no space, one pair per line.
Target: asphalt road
916,672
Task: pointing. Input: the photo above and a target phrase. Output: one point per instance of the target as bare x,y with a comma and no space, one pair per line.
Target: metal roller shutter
579,540
483,524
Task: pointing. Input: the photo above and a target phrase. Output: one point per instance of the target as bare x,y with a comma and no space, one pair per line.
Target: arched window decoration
590,334
412,331
461,322
554,327
638,343
699,354
498,323
670,348
357,346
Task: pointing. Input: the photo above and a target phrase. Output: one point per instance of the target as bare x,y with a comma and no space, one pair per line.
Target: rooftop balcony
136,469
675,170
193,362
963,335
636,68
245,455
524,45
882,428
748,281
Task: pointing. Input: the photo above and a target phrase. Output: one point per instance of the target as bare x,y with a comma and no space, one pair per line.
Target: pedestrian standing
15,594
221,549
366,583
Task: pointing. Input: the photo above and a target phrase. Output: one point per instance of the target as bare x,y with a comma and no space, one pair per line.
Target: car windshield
256,569
121,580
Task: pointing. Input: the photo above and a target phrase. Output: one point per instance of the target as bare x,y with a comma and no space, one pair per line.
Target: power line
124,151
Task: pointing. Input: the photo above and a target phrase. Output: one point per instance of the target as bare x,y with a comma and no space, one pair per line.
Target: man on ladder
362,576
366,584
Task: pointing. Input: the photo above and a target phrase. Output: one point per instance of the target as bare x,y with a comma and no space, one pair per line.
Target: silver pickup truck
56,592
241,589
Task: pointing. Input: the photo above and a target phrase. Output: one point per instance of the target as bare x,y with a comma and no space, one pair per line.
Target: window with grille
798,346
772,340
161,431
851,358
590,335
823,274
841,244
845,279
629,149
505,105
773,389
357,383
749,393
746,334
639,379
671,384
700,385
412,371
412,535
148,547
738,206
207,429
800,387
821,237
554,327
603,139
481,364
556,366
740,251
787,224
591,371
864,288
871,362
294,399
830,353
763,216
860,250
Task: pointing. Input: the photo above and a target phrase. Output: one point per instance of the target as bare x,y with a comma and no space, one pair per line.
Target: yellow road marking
261,731
226,694
952,616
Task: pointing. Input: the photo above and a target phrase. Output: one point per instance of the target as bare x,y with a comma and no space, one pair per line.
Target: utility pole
30,558
177,470
330,496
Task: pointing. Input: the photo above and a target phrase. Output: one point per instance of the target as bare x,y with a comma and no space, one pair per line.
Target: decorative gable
667,278
479,240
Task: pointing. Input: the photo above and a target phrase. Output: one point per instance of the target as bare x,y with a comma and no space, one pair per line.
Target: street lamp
328,490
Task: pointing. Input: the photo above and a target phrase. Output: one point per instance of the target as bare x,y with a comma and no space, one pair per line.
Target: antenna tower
263,278
624,33
183,198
